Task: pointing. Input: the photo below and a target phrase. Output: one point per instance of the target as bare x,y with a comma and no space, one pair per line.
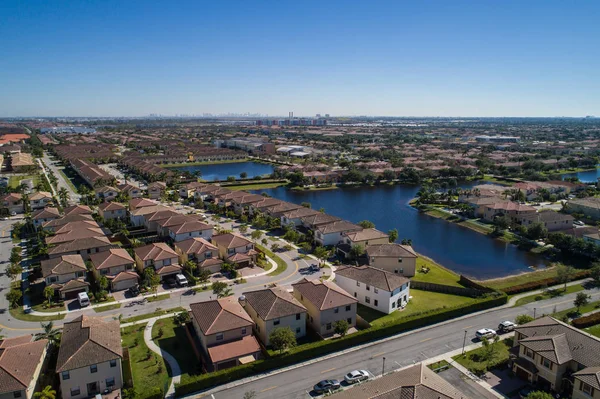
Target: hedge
309,351
534,285
587,321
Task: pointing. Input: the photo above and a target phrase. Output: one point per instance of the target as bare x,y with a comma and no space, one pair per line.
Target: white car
506,326
485,333
356,376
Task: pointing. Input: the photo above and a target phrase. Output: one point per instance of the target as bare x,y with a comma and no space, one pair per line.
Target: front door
92,388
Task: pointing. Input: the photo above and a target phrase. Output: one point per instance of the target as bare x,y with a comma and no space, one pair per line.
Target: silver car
356,376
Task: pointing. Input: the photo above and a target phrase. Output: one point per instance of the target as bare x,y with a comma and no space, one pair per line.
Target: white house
376,288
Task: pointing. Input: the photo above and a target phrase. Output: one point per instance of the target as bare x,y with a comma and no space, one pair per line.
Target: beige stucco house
395,258
162,258
66,274
112,210
21,362
205,254
235,249
118,266
13,202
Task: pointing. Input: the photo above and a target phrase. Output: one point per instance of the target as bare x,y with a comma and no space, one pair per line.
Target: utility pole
383,369
464,342
534,312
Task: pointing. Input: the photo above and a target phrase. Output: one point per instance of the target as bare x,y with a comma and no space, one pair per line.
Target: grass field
422,301
281,265
40,308
255,186
14,181
482,358
594,330
437,274
20,315
149,372
520,278
151,315
572,312
160,297
549,294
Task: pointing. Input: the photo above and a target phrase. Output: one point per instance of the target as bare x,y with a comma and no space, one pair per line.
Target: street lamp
383,369
534,312
464,342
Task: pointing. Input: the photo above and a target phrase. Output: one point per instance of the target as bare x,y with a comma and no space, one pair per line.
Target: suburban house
325,303
112,210
117,265
81,246
42,216
162,258
553,221
89,357
235,249
205,254
21,362
13,202
205,192
226,199
413,382
156,189
137,203
40,200
241,204
153,221
74,231
376,288
189,229
56,224
273,308
312,221
513,210
77,210
362,238
137,216
264,203
589,206
66,275
557,356
131,191
188,189
295,216
106,193
333,233
224,330
395,258
276,211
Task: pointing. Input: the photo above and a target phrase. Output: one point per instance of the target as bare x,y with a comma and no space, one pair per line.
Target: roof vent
242,300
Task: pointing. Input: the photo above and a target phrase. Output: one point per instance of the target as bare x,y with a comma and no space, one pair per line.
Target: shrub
534,285
587,321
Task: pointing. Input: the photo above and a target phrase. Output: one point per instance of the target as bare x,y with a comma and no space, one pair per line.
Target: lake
222,171
588,176
455,247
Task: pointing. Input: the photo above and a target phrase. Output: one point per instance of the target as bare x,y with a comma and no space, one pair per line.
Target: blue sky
419,58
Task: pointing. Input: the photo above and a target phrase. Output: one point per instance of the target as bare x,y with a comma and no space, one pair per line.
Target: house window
17,394
368,288
528,353
113,363
586,388
104,272
376,302
393,305
93,368
110,382
208,255
79,274
298,330
297,316
367,299
244,331
167,262
349,320
546,363
348,307
220,337
276,322
399,260
65,375
336,310
355,295
357,284
53,279
375,290
75,391
328,326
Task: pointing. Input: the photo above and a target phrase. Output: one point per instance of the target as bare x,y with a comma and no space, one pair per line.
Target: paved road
74,197
407,349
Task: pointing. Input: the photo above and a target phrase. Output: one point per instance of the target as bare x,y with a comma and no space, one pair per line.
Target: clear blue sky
418,58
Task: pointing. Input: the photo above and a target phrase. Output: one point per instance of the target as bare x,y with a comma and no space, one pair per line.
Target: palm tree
46,393
63,195
50,333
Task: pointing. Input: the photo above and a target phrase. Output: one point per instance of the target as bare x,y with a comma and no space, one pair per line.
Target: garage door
73,294
124,284
522,374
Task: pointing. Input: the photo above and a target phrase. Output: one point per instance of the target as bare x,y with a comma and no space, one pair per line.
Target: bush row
320,348
534,285
587,321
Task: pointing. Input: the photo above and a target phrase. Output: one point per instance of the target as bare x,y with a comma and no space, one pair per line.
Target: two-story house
156,189
333,233
235,249
362,238
189,229
375,288
21,362
326,303
313,221
117,265
106,193
77,210
130,190
41,216
294,217
205,254
40,200
224,330
395,258
89,357
74,231
513,210
187,190
551,220
56,224
241,204
12,202
558,357
66,275
273,308
162,258
112,210
82,246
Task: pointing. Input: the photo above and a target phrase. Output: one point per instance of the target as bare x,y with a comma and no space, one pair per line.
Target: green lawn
20,315
41,307
176,342
151,315
481,359
255,186
437,274
551,293
572,312
281,265
147,376
594,330
521,278
14,181
107,307
422,301
160,297
439,365
178,165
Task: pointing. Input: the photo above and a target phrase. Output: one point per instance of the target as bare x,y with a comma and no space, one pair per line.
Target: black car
134,291
326,386
171,283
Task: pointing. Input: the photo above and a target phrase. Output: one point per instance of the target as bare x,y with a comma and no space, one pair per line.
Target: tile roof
273,303
78,233
189,226
80,244
234,349
75,225
126,275
19,358
511,206
300,213
45,213
110,206
318,219
220,315
230,240
590,376
195,245
77,210
155,251
372,276
547,216
65,264
366,234
88,340
169,269
337,227
111,258
323,294
141,203
40,195
68,219
391,250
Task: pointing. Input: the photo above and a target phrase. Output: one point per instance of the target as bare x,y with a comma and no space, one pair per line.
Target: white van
84,300
181,280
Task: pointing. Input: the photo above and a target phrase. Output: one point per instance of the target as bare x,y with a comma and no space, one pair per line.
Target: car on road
356,376
13,213
314,267
4,218
506,326
578,223
326,386
485,333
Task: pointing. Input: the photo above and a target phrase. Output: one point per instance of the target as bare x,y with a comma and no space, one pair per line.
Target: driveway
465,384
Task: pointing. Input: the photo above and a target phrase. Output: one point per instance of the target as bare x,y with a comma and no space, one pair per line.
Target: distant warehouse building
497,139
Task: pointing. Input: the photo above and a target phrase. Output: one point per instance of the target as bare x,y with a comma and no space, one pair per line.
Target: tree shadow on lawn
179,347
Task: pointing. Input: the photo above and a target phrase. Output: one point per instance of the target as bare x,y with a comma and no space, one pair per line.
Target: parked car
485,333
356,376
171,283
523,393
135,290
83,298
578,223
314,267
181,280
506,326
326,386
13,213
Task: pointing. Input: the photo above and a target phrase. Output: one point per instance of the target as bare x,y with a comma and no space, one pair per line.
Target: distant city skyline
389,58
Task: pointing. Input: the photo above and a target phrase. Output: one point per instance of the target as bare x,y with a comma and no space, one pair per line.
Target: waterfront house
117,265
326,303
66,274
241,204
112,210
589,206
106,193
187,190
375,288
21,363
41,216
551,220
395,258
224,330
89,357
225,200
363,238
205,254
314,220
273,308
12,202
513,210
261,205
206,192
40,200
294,216
159,256
276,211
81,246
333,233
156,189
235,249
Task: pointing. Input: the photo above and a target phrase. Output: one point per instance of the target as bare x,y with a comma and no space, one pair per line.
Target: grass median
106,308
281,265
549,293
156,313
156,298
19,314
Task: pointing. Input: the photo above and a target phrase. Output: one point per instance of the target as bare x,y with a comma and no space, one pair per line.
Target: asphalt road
74,197
407,349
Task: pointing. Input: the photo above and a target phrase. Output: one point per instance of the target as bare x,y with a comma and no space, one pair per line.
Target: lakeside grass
199,163
491,179
315,188
550,293
156,313
281,265
519,279
594,330
572,312
20,315
437,273
255,186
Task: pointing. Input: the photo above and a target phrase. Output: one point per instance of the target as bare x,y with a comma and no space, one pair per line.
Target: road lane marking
328,370
426,339
467,327
268,389
377,354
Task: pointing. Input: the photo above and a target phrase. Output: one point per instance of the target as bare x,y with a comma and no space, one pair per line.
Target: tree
50,333
13,271
243,229
103,283
203,276
13,297
49,294
501,223
256,234
340,327
596,273
581,299
321,252
306,204
15,257
46,393
190,266
393,235
282,339
537,231
63,195
523,319
230,178
243,175
275,247
182,318
221,289
366,224
152,279
564,274
539,395
356,252
407,241
305,247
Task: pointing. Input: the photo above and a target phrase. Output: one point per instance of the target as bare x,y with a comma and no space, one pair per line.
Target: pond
587,176
455,247
221,171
